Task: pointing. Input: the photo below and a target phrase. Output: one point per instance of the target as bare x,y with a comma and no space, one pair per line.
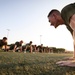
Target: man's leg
72,25
31,49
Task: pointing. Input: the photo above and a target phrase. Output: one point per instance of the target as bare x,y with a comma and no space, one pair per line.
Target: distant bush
60,50
57,50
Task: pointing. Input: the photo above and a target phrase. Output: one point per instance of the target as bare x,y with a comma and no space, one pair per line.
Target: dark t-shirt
41,48
66,13
13,45
28,45
2,43
18,44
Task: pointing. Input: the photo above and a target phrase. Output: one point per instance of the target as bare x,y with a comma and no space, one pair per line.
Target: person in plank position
66,16
3,44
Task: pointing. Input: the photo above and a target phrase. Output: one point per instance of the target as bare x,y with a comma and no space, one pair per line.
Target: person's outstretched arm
72,25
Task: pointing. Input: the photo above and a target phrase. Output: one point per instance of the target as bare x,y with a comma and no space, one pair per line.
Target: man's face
41,45
53,20
21,43
4,40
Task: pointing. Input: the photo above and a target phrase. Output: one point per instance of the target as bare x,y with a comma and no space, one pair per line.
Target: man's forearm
74,51
15,48
74,43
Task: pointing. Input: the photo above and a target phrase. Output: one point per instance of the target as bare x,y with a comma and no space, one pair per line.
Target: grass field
33,64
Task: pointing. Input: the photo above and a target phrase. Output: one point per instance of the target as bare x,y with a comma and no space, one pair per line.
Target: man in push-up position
66,16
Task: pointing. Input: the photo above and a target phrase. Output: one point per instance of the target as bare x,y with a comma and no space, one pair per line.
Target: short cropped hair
31,42
21,41
54,10
4,38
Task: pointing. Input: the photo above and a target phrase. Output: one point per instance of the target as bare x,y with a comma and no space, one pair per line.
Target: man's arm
72,22
74,43
20,48
72,25
15,47
5,45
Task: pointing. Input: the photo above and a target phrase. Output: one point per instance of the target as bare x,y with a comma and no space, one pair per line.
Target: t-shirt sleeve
67,12
16,43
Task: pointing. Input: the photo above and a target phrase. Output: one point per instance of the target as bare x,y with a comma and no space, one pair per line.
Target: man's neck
61,21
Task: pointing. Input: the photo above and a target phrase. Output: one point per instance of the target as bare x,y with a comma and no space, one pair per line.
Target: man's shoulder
16,42
68,9
27,44
71,5
0,40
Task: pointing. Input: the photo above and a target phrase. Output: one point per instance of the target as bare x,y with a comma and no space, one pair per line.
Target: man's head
21,41
41,45
31,42
4,39
55,18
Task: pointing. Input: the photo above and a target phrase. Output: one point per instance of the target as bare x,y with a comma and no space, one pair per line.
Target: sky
27,20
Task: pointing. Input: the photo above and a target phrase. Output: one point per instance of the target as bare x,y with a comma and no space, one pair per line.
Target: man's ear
55,15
